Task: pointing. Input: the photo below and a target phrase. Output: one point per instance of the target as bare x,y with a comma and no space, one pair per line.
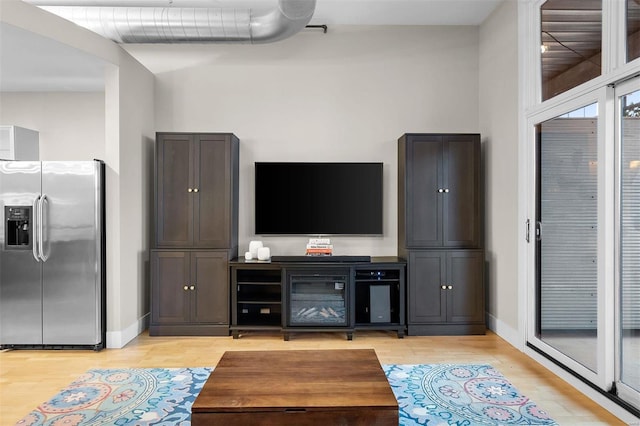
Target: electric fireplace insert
318,300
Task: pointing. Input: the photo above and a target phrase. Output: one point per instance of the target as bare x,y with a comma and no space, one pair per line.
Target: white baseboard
118,339
505,331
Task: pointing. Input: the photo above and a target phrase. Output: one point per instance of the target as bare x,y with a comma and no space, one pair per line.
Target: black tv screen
318,198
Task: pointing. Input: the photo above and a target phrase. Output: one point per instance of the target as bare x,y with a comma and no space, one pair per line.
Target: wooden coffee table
323,387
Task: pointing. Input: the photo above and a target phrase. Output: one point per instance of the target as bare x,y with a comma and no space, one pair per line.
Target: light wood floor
28,378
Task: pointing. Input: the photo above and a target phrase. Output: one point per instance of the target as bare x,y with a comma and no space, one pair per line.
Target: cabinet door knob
193,287
189,190
444,287
440,190
196,190
449,287
446,190
186,287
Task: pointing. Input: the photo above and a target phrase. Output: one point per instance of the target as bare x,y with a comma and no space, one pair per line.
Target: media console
294,294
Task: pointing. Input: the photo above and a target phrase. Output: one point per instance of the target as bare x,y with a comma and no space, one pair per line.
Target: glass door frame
604,375
532,111
625,392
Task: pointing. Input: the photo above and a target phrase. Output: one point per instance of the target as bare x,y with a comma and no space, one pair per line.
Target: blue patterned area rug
461,395
131,396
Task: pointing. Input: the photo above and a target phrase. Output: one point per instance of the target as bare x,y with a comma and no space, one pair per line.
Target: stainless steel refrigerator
52,254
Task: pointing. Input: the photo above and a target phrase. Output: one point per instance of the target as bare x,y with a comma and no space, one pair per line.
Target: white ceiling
402,12
32,63
29,62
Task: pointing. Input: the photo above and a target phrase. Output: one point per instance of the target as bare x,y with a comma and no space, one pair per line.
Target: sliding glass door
569,211
587,239
583,200
628,295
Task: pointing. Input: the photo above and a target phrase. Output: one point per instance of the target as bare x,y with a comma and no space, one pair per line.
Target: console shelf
256,297
379,298
304,295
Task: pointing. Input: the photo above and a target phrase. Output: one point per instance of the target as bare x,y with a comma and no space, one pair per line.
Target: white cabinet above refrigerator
18,143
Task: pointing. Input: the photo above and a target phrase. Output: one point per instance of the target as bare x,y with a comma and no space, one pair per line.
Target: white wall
499,128
129,152
343,96
55,116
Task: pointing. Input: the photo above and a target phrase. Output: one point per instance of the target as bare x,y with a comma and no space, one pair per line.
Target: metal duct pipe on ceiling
141,24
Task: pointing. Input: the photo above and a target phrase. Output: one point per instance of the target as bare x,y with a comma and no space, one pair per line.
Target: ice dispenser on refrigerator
17,227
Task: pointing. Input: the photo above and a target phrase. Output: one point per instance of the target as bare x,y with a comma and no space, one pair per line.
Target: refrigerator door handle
34,229
43,199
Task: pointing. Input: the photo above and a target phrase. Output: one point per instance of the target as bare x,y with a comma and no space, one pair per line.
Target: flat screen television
318,198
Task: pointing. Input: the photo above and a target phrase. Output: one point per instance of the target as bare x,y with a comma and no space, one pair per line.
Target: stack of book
319,247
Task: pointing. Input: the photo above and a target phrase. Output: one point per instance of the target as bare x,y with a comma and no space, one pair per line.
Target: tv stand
298,294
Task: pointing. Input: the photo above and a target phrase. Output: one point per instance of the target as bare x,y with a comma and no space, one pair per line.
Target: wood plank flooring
28,378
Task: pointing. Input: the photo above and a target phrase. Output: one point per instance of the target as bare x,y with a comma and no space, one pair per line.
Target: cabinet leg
400,334
286,337
235,334
349,336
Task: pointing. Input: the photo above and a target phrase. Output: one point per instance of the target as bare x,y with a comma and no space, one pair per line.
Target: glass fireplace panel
318,300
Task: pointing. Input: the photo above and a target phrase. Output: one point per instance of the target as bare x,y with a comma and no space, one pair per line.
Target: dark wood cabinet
440,222
439,191
196,232
170,277
189,292
446,292
197,190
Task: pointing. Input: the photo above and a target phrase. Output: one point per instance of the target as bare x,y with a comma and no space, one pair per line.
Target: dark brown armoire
440,219
196,232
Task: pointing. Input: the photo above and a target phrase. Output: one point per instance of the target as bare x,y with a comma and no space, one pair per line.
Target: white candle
253,248
264,253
